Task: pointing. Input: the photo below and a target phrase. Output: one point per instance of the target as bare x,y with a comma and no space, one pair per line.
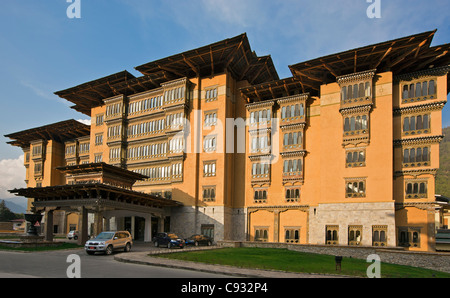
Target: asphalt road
54,264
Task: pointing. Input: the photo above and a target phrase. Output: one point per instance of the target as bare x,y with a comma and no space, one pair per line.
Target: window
211,94
209,193
209,168
355,159
114,154
176,145
292,235
210,119
355,188
332,235
292,112
409,236
292,167
260,196
70,149
379,235
114,110
260,117
209,144
98,158
38,168
355,125
260,170
37,150
292,140
99,119
416,189
419,91
354,235
84,148
357,92
261,234
175,94
417,124
260,143
98,139
416,157
292,194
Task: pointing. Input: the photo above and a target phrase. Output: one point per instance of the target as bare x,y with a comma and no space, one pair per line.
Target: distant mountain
443,174
16,205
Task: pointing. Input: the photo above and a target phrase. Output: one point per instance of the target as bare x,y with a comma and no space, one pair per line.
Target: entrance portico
88,192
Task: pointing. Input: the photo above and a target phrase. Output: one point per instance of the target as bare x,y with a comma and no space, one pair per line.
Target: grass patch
42,248
292,261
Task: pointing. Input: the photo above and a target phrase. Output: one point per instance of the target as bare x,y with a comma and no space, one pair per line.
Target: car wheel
209,243
196,243
156,244
169,245
127,247
75,238
109,250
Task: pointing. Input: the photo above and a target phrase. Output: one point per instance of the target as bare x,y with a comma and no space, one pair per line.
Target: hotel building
212,141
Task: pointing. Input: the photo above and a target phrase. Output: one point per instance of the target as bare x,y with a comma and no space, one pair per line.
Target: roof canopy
60,132
93,195
234,55
101,167
403,55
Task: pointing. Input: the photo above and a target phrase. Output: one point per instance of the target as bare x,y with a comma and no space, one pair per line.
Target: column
48,224
98,222
82,225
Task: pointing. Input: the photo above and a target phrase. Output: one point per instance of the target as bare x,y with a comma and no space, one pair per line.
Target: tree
5,213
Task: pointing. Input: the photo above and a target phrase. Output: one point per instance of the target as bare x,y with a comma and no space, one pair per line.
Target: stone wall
435,261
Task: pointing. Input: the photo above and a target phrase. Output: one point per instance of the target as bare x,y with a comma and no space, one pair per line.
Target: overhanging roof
403,55
92,194
234,55
100,167
271,90
59,132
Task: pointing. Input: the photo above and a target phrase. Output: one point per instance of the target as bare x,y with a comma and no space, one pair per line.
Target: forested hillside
443,175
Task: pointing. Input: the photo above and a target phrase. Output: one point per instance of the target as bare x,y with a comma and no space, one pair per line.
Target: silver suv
107,242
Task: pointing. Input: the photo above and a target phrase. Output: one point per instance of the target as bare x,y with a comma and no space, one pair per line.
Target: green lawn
286,260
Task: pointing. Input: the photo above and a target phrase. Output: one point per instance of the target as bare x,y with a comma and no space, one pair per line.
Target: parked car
197,240
72,235
168,239
107,242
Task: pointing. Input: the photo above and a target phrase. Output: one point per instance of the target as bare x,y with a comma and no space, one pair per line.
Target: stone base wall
229,223
344,215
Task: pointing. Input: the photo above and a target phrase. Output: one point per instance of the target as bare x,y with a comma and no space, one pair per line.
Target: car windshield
173,236
104,236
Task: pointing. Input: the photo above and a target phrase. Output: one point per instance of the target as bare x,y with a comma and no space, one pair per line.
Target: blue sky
44,51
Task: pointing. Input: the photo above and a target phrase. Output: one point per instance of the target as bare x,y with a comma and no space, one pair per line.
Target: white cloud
12,175
85,121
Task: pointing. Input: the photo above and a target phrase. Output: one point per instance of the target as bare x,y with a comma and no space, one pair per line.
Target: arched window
406,156
431,88
355,91
350,92
283,112
352,123
419,123
358,123
422,188
361,90
409,188
368,90
425,156
425,88
411,91
426,123
297,110
406,124
344,94
302,110
412,155
346,124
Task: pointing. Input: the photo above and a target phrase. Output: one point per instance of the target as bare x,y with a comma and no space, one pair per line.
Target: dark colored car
169,240
197,240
